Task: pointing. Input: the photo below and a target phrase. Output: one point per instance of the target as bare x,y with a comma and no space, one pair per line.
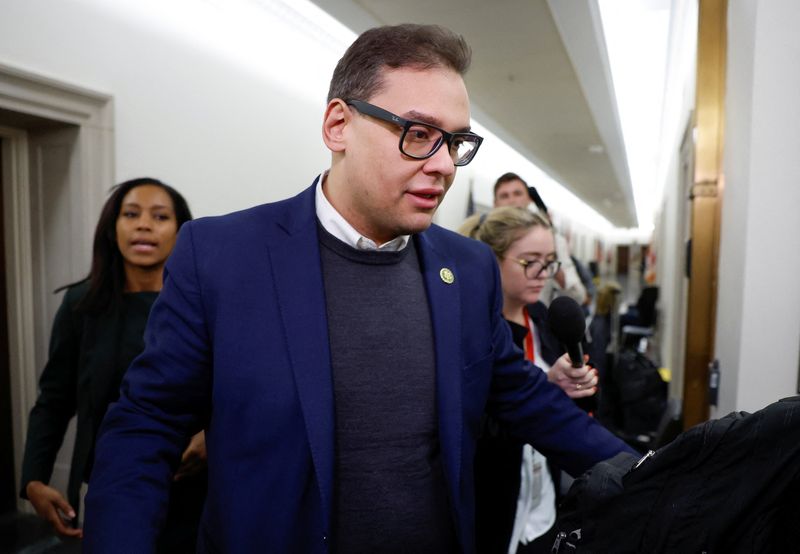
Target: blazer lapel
297,274
444,304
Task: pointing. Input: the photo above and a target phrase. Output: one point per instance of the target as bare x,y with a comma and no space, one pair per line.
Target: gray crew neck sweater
389,490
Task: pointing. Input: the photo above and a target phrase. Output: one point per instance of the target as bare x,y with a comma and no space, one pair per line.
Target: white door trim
19,283
25,92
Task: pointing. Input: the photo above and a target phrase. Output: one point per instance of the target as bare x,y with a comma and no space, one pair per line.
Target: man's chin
418,224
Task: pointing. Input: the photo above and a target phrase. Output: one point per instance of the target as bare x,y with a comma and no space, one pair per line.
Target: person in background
588,283
511,190
515,487
97,332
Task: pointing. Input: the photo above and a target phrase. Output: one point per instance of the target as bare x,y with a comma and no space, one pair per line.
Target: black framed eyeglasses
534,268
422,140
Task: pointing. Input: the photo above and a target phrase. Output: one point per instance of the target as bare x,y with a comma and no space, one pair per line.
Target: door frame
29,93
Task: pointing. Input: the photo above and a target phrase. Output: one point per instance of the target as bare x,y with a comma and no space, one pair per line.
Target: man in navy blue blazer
337,348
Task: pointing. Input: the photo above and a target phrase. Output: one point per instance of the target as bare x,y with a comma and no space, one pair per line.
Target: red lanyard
530,353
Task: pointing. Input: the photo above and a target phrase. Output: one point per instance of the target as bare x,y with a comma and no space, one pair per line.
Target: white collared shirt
333,222
536,504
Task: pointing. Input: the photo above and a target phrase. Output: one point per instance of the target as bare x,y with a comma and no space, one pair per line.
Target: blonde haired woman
515,488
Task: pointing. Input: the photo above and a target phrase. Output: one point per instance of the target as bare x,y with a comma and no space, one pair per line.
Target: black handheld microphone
567,323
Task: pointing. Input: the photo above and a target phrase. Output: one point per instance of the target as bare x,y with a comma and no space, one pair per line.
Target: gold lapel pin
447,275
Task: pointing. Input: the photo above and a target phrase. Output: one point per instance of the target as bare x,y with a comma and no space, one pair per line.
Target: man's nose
441,162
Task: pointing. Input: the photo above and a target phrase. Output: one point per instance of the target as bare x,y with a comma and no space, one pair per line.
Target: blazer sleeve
537,412
57,400
163,401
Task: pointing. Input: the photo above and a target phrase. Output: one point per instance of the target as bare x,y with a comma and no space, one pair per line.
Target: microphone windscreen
566,320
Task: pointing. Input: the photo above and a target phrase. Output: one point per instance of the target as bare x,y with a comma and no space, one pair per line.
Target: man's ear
337,117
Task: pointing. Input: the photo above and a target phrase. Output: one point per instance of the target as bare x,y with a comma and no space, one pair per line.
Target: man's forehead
433,119
510,186
435,95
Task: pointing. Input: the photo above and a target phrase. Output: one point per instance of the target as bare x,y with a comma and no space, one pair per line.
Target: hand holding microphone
570,371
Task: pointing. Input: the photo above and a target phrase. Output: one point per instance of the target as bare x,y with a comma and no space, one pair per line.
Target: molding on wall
34,95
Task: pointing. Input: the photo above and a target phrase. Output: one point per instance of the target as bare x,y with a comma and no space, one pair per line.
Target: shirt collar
333,222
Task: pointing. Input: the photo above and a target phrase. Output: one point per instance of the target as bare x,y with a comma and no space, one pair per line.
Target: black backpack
729,485
635,397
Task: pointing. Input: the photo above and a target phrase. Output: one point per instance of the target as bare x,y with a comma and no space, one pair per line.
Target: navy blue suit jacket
237,343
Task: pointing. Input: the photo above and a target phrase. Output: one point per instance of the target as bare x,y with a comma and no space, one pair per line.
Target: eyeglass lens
420,141
536,267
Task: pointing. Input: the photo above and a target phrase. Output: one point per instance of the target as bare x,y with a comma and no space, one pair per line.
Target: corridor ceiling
539,80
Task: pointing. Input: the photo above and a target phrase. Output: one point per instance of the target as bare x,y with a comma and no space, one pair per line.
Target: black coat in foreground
728,485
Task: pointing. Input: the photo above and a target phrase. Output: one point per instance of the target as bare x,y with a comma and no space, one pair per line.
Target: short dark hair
508,177
358,74
107,274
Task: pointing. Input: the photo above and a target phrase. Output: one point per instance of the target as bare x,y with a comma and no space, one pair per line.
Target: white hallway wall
223,132
758,316
758,304
229,116
226,113
679,100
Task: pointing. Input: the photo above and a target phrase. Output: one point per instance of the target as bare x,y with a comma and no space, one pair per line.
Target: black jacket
498,457
87,358
728,485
